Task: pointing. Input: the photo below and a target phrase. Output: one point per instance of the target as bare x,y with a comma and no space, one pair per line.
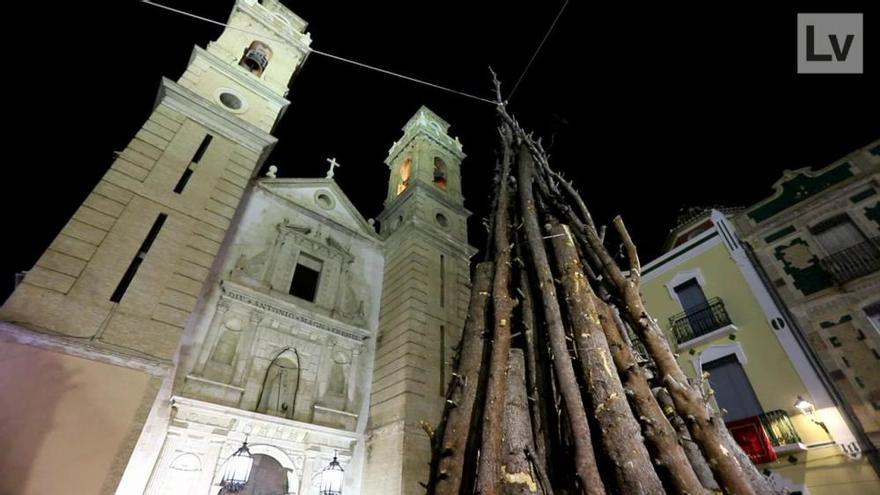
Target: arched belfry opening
405,175
439,172
281,385
256,57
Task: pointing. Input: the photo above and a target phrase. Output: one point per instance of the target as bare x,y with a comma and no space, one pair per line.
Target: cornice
202,110
236,292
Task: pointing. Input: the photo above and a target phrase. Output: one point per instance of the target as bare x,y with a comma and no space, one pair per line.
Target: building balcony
703,323
767,436
853,262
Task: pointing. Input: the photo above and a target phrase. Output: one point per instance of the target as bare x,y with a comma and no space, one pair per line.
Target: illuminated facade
190,306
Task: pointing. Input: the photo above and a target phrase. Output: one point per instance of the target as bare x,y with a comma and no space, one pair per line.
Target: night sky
648,109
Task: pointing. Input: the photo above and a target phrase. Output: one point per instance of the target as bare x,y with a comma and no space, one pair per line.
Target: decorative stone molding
203,110
289,311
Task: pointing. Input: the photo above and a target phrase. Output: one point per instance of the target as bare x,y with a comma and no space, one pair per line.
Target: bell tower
97,321
424,301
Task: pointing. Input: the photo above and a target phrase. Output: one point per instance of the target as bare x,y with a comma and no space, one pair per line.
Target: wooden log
692,451
688,400
517,475
619,432
536,377
584,456
489,469
456,447
661,438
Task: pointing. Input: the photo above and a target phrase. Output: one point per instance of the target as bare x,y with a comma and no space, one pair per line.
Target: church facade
190,306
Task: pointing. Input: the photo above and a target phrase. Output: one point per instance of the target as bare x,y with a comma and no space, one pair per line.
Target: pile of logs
550,395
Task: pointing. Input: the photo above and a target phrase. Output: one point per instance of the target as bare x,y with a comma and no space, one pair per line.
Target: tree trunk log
688,401
535,373
489,471
456,448
660,436
691,449
619,434
585,459
517,475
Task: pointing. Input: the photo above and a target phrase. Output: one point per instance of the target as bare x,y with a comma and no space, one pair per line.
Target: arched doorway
268,477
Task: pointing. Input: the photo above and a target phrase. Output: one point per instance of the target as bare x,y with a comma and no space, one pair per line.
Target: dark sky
650,108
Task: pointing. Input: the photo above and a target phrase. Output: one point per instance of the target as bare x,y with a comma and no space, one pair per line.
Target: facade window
200,152
256,58
439,172
135,264
837,234
405,174
845,361
695,304
733,392
859,381
306,277
835,341
872,311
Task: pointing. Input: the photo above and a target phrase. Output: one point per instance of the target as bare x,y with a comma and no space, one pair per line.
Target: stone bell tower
97,321
424,302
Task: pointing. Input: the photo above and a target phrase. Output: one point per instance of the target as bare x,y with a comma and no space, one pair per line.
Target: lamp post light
809,410
331,478
238,469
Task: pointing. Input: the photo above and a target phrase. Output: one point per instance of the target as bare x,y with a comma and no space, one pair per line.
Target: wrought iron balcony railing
779,428
853,262
699,321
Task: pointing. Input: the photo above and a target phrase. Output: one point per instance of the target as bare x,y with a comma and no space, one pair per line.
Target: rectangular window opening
184,178
202,148
442,281
442,360
135,264
306,276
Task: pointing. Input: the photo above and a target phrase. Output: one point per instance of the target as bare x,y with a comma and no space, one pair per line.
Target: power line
535,55
322,53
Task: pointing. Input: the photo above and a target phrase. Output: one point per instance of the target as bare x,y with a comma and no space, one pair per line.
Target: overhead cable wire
322,53
535,55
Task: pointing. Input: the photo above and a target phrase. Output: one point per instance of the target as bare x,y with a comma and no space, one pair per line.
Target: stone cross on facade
333,164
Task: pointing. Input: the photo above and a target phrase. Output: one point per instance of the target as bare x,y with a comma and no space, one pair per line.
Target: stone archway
268,477
273,473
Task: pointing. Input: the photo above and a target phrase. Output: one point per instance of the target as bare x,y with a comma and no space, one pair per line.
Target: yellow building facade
732,334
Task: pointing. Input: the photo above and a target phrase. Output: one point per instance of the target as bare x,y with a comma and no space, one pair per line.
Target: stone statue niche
351,305
222,359
281,385
336,392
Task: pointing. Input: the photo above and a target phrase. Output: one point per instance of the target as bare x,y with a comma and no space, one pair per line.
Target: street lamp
809,410
238,469
332,478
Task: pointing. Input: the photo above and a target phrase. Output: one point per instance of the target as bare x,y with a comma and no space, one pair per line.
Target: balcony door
696,307
733,391
837,234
